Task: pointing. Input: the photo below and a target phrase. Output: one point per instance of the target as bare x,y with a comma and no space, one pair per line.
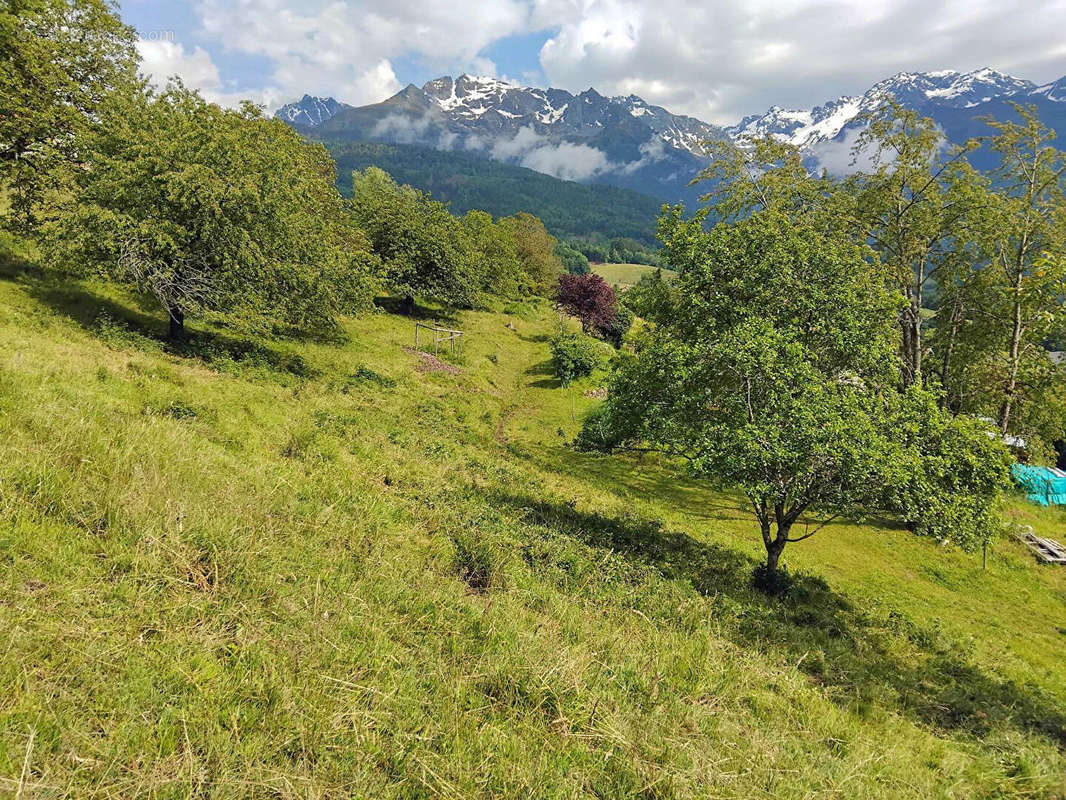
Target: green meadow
343,568
625,275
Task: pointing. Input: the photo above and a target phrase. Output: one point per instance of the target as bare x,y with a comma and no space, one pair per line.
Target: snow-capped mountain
488,102
622,141
627,142
309,111
921,90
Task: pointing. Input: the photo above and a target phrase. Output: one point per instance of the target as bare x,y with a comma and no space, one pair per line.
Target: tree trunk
773,555
949,352
176,332
1015,357
910,322
775,546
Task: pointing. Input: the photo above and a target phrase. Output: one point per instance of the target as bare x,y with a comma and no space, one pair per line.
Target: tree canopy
536,251
211,210
775,372
59,61
420,243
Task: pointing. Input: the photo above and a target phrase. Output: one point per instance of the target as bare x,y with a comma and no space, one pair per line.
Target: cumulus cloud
162,59
720,60
714,60
348,49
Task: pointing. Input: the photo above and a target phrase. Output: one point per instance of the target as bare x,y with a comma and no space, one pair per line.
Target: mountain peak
949,87
928,92
309,111
625,141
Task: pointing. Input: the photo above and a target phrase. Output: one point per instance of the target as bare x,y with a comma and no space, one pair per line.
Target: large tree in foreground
210,210
775,372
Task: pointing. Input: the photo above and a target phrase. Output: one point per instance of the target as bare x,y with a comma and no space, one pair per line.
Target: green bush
573,259
573,356
615,330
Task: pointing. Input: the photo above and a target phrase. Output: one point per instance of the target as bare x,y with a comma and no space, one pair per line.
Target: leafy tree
573,259
423,247
573,356
1026,250
773,372
589,298
536,251
763,174
1001,290
950,486
494,256
651,298
211,210
913,208
59,60
618,326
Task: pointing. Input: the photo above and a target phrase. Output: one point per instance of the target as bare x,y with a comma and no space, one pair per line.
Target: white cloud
572,162
347,49
716,60
720,60
164,59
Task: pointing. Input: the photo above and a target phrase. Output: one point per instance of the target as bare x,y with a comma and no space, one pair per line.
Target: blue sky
717,60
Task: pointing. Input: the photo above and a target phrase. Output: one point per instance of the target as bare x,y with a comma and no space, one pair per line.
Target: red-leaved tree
589,298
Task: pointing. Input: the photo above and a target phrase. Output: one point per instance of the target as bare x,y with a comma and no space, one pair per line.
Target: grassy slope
624,274
251,576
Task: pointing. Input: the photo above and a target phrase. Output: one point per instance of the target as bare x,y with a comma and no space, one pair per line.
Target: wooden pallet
1047,550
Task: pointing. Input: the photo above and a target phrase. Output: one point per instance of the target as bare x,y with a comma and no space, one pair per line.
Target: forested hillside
466,182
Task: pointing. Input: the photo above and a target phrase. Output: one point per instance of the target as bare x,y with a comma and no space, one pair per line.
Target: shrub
573,259
573,356
617,327
589,298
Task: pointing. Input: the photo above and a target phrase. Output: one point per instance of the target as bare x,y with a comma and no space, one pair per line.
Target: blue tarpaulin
1043,485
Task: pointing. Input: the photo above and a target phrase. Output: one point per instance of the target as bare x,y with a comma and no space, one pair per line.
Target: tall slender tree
1026,244
913,207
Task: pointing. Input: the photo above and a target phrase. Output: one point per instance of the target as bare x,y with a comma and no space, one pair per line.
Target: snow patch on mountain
805,129
625,141
309,111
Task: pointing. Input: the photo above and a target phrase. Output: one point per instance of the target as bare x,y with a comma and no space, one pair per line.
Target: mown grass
626,275
323,569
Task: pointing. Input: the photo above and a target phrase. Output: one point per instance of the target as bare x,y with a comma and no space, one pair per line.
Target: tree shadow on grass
866,661
14,267
629,472
416,311
546,372
139,325
536,338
